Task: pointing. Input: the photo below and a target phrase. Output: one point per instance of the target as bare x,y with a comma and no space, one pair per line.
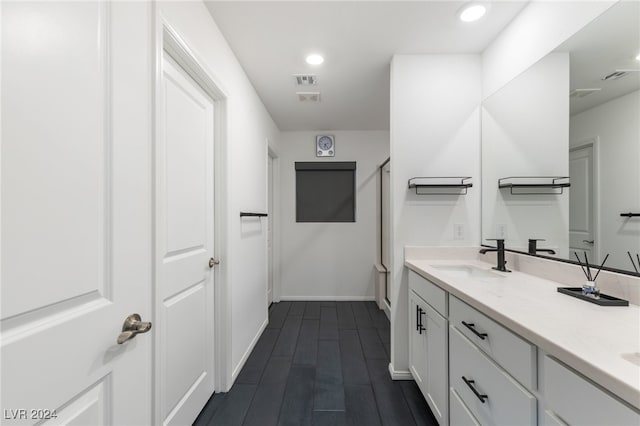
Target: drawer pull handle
471,326
471,384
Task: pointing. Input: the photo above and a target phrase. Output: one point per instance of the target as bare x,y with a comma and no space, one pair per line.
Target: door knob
133,326
213,262
588,241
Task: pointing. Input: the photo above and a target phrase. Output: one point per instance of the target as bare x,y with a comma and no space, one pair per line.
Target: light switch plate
458,231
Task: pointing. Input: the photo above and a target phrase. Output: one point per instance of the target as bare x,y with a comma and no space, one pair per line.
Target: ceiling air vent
617,74
306,79
308,96
581,93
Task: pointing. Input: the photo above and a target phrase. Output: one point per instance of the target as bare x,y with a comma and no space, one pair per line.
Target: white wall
248,126
615,124
538,29
525,132
332,261
435,126
435,131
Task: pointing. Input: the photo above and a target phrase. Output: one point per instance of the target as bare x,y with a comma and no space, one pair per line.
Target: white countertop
590,338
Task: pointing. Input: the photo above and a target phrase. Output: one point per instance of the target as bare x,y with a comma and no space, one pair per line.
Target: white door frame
168,41
594,142
275,243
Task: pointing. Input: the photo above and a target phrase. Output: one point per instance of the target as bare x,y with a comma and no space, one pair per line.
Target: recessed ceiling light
472,12
315,59
638,57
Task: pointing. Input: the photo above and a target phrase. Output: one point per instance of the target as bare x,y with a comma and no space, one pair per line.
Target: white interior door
76,212
581,203
270,231
184,245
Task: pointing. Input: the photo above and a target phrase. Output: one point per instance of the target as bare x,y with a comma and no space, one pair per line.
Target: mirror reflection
576,114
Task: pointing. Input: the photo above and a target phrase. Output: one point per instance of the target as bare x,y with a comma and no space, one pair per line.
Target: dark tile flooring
320,363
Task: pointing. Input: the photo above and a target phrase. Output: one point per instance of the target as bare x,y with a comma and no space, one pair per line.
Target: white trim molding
328,298
399,375
387,309
245,356
276,244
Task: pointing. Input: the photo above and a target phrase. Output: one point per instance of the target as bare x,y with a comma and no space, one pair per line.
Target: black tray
603,300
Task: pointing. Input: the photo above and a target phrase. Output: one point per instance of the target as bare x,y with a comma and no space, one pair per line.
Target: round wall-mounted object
325,146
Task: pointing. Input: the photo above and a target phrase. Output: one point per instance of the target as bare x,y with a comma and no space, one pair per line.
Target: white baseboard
387,310
328,298
247,353
399,375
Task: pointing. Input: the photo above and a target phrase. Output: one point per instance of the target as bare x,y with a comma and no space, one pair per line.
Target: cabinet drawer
506,402
460,414
434,295
579,402
513,353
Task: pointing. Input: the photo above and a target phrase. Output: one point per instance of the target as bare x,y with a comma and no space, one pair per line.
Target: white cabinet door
184,245
76,212
417,340
437,372
428,355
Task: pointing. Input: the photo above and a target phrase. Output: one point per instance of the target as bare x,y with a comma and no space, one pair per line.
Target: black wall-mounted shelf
535,185
452,185
247,214
630,214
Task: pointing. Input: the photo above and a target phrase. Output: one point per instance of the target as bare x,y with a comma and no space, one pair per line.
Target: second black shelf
542,183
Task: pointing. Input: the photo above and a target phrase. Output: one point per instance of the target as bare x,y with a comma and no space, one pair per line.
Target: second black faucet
533,247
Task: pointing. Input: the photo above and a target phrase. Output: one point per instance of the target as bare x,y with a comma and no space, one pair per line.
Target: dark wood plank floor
320,363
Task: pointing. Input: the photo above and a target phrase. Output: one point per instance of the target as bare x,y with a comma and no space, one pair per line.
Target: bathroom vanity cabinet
472,370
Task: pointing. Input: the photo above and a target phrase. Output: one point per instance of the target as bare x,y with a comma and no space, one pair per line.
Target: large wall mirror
574,114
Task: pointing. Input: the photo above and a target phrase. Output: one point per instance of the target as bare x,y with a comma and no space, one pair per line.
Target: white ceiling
610,42
357,39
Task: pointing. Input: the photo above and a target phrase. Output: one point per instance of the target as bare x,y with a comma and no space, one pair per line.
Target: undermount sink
633,357
466,271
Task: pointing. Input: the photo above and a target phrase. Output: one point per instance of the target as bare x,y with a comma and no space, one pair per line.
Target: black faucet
500,254
533,249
